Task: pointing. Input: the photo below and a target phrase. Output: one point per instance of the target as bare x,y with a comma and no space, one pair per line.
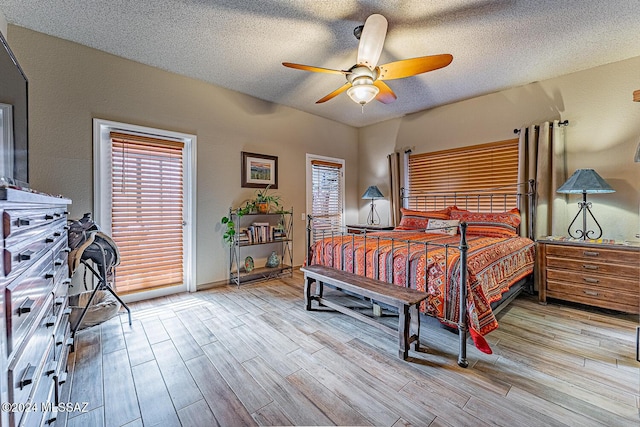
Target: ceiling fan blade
411,67
386,95
334,93
372,40
314,69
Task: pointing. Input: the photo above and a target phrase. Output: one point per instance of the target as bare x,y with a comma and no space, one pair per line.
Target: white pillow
443,226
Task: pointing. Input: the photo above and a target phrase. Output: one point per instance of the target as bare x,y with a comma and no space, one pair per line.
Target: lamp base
373,214
584,234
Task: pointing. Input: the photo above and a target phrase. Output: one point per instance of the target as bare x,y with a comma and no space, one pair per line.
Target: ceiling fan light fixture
363,94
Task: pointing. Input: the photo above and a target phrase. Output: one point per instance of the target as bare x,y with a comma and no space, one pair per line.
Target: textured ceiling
240,45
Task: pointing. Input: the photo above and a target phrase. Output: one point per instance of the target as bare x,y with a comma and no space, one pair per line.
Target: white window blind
147,211
326,196
465,170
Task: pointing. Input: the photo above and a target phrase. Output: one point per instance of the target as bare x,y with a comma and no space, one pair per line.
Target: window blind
326,208
147,211
465,170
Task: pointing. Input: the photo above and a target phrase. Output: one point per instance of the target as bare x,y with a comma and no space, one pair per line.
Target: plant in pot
263,200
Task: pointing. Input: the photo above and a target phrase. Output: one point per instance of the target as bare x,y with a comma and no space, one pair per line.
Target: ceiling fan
365,80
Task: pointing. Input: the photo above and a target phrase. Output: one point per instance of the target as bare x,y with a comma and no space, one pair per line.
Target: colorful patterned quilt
430,262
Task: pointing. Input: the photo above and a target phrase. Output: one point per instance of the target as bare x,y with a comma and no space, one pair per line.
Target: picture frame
259,170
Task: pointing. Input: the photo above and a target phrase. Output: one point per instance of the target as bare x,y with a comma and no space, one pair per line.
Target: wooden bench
404,299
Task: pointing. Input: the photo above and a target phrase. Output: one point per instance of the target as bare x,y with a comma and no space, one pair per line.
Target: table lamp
373,192
585,181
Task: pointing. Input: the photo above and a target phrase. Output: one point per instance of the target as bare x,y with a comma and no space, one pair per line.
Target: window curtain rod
564,123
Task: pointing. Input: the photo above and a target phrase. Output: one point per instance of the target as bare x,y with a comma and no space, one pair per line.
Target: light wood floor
253,356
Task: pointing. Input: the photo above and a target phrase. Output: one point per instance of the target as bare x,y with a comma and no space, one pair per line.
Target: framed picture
259,170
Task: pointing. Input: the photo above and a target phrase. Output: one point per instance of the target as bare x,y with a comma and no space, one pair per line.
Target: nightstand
598,274
361,228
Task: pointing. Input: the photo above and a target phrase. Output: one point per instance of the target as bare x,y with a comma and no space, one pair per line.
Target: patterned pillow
418,220
443,226
494,224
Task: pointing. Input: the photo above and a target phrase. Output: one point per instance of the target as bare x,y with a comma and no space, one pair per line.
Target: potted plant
263,200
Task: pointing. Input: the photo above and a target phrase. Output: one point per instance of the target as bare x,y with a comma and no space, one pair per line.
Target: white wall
603,134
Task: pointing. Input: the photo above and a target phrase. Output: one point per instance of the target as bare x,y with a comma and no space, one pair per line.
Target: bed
465,250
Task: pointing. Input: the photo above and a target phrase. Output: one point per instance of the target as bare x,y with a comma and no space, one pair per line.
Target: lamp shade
585,181
373,192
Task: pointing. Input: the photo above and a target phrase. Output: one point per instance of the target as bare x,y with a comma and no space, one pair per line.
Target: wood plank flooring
253,356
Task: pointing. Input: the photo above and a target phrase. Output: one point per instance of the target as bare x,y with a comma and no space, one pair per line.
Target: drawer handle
66,282
591,280
67,250
25,256
48,275
57,263
48,216
23,221
67,311
591,253
57,234
590,267
59,301
49,240
50,368
50,321
69,342
62,378
57,214
591,293
27,376
25,307
52,418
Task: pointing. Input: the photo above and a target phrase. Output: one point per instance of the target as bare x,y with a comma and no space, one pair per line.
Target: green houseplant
263,200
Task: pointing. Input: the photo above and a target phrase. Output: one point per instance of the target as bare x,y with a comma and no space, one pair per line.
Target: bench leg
404,321
415,325
307,292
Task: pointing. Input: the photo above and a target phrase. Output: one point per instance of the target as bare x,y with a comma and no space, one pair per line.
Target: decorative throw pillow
418,220
443,226
494,224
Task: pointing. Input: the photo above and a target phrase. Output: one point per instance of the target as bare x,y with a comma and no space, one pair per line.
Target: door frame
102,195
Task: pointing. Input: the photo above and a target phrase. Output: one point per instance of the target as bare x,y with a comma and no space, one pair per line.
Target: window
327,193
143,193
467,169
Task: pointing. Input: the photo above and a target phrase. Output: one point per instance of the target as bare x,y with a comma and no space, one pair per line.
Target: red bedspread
493,265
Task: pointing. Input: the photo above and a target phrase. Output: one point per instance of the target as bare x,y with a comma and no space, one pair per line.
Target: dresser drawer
24,298
16,221
596,254
43,396
28,365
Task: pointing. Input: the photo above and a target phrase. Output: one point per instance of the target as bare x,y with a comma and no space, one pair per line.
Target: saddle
88,242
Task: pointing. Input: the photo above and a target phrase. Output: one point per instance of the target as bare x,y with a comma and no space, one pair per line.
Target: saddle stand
96,253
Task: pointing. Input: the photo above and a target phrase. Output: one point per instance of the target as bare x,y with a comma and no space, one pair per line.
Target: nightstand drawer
596,254
596,281
601,297
590,266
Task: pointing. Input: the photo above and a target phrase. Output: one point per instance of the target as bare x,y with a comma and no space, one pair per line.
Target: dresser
597,274
34,277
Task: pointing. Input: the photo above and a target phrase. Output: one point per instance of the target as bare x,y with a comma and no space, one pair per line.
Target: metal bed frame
497,199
